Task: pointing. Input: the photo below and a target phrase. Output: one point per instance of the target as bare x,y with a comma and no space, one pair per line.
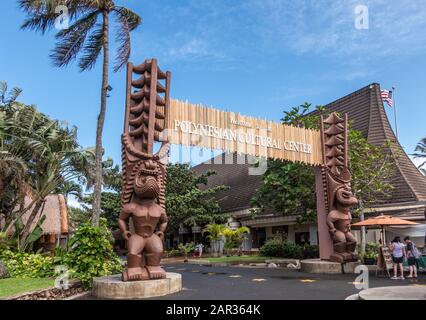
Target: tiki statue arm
163,225
122,223
330,223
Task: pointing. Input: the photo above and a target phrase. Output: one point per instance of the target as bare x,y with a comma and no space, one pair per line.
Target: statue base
327,267
112,287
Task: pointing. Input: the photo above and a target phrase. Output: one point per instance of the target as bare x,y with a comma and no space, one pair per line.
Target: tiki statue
340,198
144,173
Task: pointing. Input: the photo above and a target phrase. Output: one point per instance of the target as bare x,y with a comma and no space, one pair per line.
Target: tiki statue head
340,190
146,182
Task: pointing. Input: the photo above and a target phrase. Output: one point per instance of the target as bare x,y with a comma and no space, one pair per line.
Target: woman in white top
398,256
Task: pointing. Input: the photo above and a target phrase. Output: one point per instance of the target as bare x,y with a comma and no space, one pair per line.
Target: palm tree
70,188
87,36
50,152
421,153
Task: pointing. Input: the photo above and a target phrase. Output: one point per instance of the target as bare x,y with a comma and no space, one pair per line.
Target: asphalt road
248,283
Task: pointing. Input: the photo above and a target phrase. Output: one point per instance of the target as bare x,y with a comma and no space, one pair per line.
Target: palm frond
14,94
72,40
92,49
3,90
128,21
41,14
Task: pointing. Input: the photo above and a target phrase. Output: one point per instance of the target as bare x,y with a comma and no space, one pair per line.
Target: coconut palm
85,38
421,154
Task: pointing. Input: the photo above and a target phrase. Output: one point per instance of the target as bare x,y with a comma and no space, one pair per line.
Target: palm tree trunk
100,125
27,229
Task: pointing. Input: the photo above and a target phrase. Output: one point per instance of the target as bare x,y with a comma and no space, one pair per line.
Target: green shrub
291,250
272,248
27,265
90,254
172,253
310,251
278,247
371,250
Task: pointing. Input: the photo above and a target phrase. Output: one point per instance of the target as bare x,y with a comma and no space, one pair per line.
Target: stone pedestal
111,287
327,267
349,267
320,266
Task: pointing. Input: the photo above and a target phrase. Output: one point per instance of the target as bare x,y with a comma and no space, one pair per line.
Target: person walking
200,247
398,254
413,255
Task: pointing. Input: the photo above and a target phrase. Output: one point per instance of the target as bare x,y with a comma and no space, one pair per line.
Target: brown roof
367,114
235,175
55,210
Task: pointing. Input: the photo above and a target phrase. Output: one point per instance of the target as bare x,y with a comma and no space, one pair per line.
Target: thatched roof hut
55,210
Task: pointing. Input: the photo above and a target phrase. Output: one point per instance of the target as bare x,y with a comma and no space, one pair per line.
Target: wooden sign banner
196,125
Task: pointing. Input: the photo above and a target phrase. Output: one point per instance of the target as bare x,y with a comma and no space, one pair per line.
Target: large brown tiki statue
337,177
144,173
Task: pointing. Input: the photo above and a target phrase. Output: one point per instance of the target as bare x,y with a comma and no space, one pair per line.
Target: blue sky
256,57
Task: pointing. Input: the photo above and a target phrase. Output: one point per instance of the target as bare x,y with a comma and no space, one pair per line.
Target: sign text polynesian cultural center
196,125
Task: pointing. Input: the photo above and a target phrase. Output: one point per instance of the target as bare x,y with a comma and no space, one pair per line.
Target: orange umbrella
383,221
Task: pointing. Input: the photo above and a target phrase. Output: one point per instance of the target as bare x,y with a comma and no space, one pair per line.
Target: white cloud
232,34
328,26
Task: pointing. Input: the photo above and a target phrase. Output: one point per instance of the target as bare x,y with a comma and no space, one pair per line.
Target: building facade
366,114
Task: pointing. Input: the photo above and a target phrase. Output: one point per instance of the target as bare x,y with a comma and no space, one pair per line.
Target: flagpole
394,111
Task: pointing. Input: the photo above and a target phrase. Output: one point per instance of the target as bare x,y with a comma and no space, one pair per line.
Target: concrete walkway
394,293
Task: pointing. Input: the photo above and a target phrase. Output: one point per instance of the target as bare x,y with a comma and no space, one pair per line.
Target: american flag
387,97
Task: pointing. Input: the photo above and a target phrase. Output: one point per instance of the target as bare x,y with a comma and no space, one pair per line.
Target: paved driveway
209,283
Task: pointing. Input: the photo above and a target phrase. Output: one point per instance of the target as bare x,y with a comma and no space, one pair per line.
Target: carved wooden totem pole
144,173
337,187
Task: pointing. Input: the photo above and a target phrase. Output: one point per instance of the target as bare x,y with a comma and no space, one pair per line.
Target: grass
13,286
236,259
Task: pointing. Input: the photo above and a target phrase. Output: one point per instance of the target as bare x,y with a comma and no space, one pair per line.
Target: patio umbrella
382,221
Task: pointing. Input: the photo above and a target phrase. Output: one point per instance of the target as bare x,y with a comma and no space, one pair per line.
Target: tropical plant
12,167
90,253
234,238
186,249
189,201
216,236
215,232
69,188
50,157
421,154
8,97
78,216
87,36
28,265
